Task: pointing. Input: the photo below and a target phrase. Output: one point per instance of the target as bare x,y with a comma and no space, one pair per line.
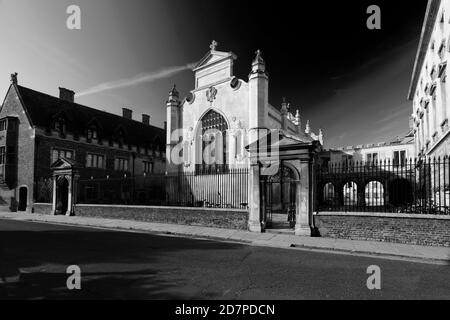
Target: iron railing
193,189
411,186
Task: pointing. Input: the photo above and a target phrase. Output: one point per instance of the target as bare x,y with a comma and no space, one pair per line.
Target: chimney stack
146,119
66,94
127,113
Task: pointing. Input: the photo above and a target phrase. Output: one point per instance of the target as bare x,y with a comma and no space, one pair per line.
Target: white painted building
395,152
220,101
235,116
429,88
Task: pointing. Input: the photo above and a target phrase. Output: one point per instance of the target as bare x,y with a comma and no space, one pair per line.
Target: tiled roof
43,109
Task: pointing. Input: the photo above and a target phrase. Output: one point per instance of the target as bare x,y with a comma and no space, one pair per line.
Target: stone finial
173,94
174,91
213,45
258,57
298,121
297,116
14,78
258,64
284,106
308,127
321,136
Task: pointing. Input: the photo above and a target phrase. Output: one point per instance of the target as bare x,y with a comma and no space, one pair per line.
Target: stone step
281,231
279,217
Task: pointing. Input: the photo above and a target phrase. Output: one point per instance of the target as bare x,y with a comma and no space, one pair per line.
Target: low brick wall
220,218
42,208
430,230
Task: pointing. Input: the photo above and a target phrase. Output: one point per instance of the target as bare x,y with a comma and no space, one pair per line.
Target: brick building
37,129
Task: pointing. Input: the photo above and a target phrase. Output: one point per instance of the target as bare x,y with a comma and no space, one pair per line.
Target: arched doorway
350,193
279,199
62,195
400,192
23,199
374,194
328,193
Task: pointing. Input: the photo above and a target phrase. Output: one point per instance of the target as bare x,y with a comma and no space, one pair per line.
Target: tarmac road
125,265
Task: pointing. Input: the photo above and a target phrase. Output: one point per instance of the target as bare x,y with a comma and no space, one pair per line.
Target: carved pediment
215,66
213,57
64,164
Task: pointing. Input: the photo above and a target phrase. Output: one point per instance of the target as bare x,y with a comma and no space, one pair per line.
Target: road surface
125,265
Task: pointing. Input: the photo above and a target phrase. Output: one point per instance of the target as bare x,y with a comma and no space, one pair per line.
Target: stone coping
383,215
151,207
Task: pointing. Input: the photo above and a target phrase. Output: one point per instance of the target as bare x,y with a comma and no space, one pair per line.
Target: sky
346,79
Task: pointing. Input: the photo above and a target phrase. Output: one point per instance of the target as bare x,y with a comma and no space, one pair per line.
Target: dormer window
60,126
92,133
120,138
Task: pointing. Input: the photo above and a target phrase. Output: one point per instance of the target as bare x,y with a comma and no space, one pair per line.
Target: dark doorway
278,192
400,192
23,198
62,193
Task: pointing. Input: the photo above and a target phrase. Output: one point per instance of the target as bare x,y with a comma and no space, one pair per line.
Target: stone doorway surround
65,169
300,153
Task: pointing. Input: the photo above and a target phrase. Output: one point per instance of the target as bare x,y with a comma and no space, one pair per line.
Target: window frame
3,155
145,163
400,162
97,156
65,150
119,167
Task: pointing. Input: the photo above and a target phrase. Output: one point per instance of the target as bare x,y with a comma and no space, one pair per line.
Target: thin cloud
395,115
139,79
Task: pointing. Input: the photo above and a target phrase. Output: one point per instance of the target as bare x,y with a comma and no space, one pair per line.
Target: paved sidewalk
382,249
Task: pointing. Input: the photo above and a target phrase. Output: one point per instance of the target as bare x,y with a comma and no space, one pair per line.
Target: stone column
254,218
76,177
303,204
69,196
54,196
361,194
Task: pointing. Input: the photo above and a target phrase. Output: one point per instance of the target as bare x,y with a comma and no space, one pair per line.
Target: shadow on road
116,265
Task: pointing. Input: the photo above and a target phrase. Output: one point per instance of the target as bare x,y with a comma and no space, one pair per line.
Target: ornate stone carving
213,45
211,94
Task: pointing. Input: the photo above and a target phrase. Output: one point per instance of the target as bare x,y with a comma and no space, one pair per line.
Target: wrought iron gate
278,199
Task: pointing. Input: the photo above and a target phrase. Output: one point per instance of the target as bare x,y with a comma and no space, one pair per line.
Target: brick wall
401,228
220,218
42,208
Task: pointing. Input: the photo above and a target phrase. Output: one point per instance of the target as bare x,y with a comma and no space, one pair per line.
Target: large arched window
214,136
92,133
59,125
